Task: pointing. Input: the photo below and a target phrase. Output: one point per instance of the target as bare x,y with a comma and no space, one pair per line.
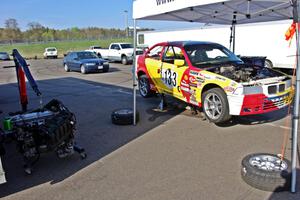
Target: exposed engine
47,129
245,73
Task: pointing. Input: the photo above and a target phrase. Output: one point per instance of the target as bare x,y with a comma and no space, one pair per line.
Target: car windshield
126,46
3,53
205,55
52,49
86,55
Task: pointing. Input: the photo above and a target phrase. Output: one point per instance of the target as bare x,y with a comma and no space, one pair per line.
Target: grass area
32,50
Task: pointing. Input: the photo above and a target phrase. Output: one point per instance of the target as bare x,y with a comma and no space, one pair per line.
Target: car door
76,61
69,61
114,52
153,65
174,73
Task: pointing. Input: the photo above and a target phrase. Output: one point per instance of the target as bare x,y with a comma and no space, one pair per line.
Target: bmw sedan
84,62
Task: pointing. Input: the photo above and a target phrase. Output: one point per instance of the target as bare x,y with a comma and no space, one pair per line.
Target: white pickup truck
116,52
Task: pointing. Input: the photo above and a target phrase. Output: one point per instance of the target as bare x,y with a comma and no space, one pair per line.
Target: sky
61,14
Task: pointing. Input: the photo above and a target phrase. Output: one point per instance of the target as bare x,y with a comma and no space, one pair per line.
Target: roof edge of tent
171,10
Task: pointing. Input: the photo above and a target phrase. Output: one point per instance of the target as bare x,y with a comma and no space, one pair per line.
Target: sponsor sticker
228,89
220,78
192,79
194,73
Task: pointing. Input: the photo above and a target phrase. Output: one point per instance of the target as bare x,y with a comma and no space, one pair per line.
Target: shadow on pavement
92,103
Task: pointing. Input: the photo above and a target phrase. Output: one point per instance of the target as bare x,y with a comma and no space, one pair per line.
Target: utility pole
126,22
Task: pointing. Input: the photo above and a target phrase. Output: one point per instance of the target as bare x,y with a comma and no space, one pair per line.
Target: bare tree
12,32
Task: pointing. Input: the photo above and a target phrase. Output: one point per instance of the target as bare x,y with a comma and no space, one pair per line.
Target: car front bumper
251,104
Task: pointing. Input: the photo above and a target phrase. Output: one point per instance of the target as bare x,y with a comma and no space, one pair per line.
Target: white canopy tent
230,12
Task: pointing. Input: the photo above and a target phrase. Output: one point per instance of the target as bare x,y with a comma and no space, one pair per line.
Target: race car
208,75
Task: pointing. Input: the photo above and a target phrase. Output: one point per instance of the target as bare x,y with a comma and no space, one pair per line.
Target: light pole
126,22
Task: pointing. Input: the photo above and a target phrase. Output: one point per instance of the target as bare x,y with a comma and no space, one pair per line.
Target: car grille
275,102
273,89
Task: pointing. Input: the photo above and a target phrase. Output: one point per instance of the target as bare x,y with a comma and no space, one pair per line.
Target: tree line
36,32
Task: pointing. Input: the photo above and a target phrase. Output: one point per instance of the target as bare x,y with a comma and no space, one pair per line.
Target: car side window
172,53
155,53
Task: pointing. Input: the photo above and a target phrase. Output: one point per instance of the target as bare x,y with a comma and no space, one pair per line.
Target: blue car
85,62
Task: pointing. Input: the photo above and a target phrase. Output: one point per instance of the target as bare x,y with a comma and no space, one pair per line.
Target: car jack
162,105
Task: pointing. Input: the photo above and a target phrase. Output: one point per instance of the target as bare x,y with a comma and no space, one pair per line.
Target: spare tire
266,172
123,116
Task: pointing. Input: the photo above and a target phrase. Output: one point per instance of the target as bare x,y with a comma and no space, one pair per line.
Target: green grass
32,50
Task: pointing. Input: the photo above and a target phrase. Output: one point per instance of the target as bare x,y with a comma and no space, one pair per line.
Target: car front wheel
66,67
144,86
82,69
215,105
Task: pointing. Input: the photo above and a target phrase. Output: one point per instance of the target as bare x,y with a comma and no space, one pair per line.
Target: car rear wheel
124,60
144,86
215,105
66,67
268,64
82,69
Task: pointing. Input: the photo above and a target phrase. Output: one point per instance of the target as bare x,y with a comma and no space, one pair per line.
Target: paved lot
170,155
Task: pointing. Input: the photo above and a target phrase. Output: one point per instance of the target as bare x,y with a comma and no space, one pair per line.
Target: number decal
169,77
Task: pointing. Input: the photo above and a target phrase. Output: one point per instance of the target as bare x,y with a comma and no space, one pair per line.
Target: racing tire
262,179
123,116
124,60
268,64
144,86
215,105
67,69
82,69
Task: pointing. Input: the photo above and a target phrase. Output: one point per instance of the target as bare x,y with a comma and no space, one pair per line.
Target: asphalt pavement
168,155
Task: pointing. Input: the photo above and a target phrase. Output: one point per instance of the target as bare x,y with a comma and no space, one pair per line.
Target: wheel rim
124,60
143,86
82,69
66,67
268,163
213,106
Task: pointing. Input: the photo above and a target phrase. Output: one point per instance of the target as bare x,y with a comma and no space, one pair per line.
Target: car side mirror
179,62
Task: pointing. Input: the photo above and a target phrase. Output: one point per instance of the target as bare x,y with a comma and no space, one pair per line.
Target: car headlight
129,54
106,63
239,91
89,64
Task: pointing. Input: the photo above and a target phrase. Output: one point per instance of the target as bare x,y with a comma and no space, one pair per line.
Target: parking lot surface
168,155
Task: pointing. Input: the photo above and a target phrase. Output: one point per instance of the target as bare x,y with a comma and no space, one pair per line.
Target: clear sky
62,14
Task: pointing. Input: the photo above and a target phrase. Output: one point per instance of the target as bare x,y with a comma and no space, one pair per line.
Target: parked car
50,52
84,62
4,56
116,52
210,76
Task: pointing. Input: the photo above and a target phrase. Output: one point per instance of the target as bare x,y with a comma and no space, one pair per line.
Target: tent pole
296,106
233,33
134,72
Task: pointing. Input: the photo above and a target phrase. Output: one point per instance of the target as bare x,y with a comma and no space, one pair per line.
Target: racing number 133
169,77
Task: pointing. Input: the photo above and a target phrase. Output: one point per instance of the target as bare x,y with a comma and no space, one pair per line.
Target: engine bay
245,73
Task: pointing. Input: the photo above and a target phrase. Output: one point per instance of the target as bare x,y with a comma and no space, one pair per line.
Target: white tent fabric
213,11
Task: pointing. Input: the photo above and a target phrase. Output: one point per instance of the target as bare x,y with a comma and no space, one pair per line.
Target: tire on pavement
268,64
82,69
123,116
144,86
67,69
257,173
124,60
215,105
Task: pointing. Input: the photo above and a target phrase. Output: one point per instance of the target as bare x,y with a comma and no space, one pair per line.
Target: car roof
186,43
